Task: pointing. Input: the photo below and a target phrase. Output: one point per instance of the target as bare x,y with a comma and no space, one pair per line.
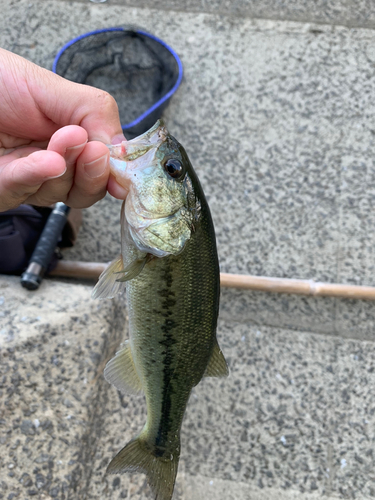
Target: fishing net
139,70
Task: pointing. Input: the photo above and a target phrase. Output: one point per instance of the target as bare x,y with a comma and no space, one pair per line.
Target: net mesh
134,67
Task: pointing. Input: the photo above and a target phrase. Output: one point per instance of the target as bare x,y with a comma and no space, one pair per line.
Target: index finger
53,102
93,109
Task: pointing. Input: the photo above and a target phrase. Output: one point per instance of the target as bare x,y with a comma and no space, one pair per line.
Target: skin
52,138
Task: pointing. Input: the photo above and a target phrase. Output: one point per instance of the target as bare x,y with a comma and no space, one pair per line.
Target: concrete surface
295,416
296,413
351,13
277,118
54,345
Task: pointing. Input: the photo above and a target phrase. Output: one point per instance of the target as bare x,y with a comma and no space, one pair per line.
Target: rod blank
92,270
299,287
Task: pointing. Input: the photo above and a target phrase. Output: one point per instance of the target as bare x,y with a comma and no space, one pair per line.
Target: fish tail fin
160,471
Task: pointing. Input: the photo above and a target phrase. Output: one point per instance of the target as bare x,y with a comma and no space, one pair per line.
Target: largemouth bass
170,265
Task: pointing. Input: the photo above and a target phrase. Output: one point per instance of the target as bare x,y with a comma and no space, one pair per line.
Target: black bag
20,229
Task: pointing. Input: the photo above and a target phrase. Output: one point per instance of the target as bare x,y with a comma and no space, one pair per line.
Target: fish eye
174,168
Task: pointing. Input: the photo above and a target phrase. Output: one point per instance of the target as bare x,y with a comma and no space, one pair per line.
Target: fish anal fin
108,286
217,366
120,371
161,472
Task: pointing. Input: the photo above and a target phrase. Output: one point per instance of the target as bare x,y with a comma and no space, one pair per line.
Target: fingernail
57,176
70,155
96,168
118,138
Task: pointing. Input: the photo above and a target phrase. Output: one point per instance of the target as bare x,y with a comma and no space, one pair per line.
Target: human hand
52,138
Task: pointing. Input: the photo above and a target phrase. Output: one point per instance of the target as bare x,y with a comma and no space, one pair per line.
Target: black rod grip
45,247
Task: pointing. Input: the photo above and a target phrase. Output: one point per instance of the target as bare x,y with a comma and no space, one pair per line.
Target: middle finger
69,142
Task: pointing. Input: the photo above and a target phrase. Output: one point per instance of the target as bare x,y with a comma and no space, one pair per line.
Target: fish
170,271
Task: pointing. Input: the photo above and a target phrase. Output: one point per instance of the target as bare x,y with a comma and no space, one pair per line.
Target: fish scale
180,335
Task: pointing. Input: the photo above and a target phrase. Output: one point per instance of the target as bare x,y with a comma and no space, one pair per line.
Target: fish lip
124,156
159,128
130,150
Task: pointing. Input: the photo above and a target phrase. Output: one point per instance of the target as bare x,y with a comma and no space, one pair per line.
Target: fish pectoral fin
217,366
108,286
137,456
133,269
120,371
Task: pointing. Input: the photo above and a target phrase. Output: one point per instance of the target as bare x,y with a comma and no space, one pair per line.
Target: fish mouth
137,147
130,155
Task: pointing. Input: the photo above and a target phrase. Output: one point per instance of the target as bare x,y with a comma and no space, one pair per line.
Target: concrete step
53,346
277,120
352,13
276,117
294,418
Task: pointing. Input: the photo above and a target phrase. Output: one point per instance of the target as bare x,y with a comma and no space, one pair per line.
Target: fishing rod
44,250
92,270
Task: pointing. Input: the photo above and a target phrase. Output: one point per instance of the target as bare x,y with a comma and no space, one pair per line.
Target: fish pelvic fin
217,366
108,286
161,472
120,371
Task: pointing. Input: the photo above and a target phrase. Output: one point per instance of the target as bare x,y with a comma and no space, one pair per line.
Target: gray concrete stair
277,117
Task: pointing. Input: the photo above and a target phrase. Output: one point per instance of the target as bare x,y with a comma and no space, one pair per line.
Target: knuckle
13,180
84,200
11,200
108,103
42,200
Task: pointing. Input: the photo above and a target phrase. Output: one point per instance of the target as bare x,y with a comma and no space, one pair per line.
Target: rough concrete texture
351,13
53,347
277,118
296,415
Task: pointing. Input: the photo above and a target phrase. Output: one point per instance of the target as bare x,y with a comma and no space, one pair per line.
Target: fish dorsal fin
120,371
108,285
217,366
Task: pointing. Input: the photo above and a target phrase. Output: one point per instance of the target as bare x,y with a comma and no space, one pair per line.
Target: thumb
73,103
22,177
